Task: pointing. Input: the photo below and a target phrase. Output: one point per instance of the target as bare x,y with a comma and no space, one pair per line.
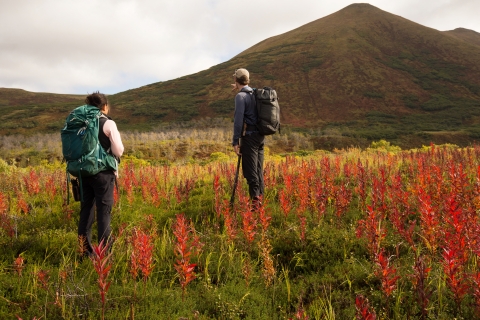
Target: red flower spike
186,246
141,258
101,260
386,273
363,309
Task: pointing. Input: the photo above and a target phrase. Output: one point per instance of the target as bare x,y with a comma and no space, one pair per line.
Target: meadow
375,233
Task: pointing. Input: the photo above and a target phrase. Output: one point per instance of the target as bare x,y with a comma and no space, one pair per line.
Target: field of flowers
346,235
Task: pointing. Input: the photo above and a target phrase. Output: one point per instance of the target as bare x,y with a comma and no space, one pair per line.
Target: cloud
114,45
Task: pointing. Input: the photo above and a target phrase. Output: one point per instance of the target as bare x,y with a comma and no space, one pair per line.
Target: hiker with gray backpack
257,114
92,147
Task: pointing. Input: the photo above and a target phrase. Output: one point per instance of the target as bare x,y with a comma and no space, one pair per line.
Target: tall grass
355,233
166,145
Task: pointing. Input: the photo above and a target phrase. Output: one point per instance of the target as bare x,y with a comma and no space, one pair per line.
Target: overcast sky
72,46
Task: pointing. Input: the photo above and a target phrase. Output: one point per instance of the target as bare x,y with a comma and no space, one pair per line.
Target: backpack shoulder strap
103,139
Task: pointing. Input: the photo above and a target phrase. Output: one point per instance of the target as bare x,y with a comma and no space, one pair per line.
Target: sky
77,47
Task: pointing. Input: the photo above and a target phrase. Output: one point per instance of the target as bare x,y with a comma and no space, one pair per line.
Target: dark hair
96,99
243,80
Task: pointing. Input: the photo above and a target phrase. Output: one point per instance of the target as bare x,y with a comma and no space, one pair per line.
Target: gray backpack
268,110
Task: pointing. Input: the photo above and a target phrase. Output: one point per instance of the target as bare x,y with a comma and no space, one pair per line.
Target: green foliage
4,167
381,117
219,156
411,101
304,153
431,76
474,132
257,65
374,132
222,107
385,146
374,95
311,64
437,103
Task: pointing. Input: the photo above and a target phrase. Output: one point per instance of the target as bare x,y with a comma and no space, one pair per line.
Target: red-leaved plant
455,252
18,265
476,291
372,228
141,258
456,280
285,203
5,220
229,221
364,311
42,277
186,246
419,279
387,273
32,183
249,220
101,263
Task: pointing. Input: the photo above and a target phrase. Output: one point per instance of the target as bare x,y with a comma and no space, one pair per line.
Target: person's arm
111,131
238,118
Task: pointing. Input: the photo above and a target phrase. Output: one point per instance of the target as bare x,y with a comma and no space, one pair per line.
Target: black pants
97,191
252,152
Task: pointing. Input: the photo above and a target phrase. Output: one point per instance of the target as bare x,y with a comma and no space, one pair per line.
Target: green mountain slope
360,73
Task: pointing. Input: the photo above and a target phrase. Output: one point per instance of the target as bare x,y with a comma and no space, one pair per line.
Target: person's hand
237,150
234,86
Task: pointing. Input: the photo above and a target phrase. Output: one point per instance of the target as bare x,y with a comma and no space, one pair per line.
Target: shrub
437,103
219,156
374,95
384,145
4,167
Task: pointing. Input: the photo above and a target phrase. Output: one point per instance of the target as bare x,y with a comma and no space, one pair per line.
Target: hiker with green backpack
92,148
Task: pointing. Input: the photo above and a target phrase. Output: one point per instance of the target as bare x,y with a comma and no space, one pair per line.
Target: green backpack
80,145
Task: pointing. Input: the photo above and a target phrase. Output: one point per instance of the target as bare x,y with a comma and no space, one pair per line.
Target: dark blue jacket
245,111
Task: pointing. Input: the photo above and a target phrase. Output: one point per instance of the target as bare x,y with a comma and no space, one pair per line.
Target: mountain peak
465,30
467,35
359,6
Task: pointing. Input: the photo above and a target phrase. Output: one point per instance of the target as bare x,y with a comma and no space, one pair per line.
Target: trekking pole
232,198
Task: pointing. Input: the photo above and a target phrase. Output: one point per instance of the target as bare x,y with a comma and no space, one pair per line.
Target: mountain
360,73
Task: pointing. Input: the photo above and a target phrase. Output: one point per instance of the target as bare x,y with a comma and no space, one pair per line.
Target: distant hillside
358,74
29,112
